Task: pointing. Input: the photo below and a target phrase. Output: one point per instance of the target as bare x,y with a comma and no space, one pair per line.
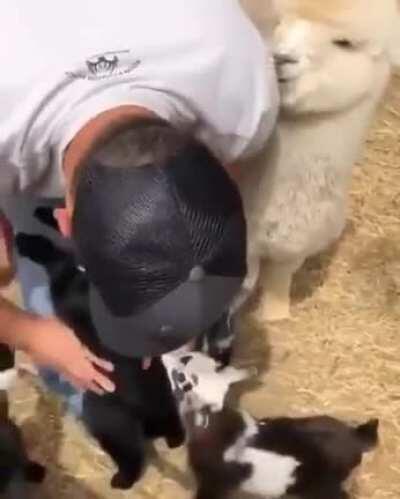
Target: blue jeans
35,284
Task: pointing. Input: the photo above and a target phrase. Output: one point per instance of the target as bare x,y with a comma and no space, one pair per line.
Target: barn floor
339,354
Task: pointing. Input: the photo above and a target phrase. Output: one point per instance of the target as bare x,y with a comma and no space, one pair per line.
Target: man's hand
52,344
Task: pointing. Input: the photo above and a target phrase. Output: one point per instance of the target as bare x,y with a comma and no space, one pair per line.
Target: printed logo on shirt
106,65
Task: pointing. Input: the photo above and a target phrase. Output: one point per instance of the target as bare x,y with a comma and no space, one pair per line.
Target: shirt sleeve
8,180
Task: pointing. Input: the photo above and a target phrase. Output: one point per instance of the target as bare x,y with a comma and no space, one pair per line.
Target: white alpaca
333,60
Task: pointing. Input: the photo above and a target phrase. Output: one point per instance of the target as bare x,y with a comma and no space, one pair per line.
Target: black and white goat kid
231,451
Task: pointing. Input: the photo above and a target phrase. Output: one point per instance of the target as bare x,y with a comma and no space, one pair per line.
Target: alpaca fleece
333,61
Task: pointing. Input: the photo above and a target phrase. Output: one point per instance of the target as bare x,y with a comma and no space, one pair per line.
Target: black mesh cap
164,248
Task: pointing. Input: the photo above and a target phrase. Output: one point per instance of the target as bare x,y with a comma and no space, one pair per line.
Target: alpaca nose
282,58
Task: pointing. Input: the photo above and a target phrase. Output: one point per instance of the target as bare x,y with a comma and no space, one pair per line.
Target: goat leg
275,285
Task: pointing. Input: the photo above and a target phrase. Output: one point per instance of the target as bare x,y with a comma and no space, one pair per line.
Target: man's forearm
15,325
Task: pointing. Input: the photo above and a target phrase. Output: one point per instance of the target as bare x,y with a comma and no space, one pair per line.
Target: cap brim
182,315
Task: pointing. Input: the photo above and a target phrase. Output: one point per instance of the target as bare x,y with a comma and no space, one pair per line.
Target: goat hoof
122,481
35,472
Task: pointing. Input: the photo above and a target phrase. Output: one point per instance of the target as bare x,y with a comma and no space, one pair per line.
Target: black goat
143,406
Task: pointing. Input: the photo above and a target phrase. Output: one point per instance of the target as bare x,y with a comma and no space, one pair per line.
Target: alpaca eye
343,43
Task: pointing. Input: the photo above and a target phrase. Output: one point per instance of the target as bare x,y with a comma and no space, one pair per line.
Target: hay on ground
339,354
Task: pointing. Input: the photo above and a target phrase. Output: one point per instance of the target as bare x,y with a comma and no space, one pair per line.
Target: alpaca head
198,382
330,55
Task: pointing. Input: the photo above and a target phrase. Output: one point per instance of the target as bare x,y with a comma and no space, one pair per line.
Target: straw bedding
339,354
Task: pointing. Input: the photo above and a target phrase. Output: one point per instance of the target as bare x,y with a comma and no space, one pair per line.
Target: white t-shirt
200,64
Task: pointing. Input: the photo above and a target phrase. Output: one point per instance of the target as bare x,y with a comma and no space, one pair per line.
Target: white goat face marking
197,381
272,473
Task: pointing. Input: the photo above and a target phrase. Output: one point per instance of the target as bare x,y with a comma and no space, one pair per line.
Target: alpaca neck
334,138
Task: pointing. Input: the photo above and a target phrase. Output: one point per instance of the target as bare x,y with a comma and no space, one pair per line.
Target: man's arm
52,344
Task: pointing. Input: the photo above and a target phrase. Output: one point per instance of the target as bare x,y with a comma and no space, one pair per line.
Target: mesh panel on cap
139,231
129,235
212,211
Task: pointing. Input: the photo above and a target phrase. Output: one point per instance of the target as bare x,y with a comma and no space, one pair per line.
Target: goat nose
281,58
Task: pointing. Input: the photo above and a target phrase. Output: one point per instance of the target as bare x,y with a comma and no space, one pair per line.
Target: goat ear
368,434
234,375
